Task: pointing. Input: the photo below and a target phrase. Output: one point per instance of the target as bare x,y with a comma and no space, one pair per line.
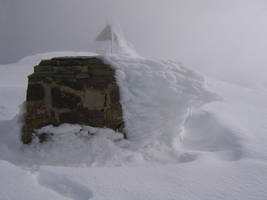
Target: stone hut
77,90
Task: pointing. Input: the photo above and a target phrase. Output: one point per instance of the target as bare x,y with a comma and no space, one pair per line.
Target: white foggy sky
222,37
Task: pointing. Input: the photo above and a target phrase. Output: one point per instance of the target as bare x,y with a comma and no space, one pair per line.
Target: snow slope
190,137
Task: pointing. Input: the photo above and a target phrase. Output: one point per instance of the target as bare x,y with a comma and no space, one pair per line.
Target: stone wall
77,90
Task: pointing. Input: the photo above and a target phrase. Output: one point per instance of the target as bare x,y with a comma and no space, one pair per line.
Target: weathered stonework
78,90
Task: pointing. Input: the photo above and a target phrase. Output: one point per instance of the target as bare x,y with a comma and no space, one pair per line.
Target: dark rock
61,99
43,137
84,116
73,84
35,92
115,95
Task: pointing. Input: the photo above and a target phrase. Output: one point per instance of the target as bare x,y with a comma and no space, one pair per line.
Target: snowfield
190,137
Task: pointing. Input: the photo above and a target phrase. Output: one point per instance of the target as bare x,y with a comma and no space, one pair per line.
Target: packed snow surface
189,137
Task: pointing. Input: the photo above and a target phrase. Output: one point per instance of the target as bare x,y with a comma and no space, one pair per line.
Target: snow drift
156,98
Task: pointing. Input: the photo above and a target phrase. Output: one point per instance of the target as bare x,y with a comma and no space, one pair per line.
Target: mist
225,39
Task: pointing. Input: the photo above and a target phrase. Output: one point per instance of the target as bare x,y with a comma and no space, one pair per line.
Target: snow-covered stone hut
77,90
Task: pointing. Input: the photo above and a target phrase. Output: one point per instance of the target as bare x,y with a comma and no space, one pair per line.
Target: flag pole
111,41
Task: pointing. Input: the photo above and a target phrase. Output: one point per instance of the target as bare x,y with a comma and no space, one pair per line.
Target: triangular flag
106,34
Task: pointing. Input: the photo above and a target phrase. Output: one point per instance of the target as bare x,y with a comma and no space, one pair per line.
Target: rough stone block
62,99
35,92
